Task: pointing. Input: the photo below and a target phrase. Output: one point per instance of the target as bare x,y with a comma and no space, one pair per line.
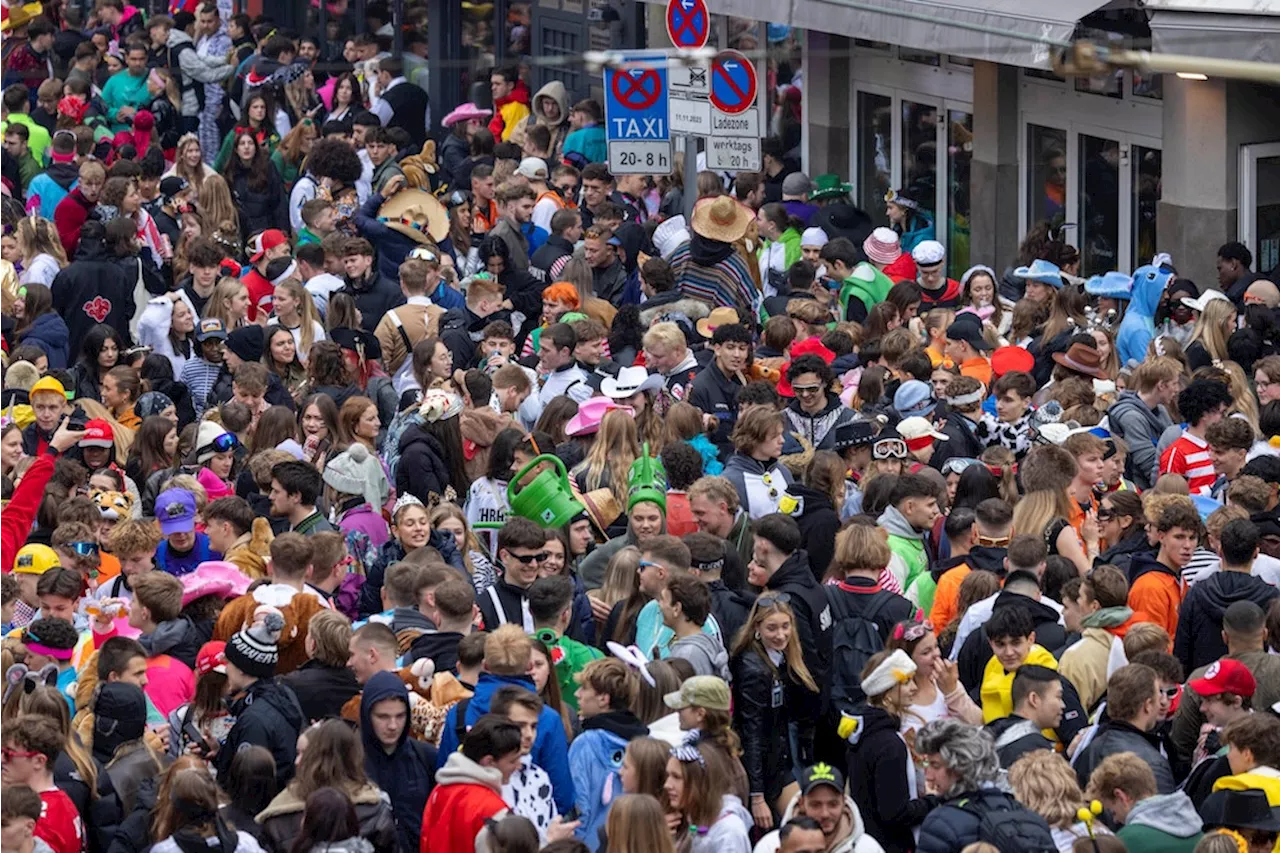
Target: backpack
1008,825
855,638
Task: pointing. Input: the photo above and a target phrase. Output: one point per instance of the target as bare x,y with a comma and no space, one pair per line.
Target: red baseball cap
265,242
1010,359
1225,676
97,433
212,657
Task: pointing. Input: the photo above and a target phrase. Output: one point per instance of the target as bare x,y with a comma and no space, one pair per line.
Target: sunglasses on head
526,559
424,254
771,599
957,465
913,631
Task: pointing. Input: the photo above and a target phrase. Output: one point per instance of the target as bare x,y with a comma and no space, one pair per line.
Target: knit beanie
357,472
253,649
119,716
247,342
206,435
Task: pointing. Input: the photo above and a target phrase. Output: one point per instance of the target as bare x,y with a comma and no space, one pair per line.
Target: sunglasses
7,754
1105,514
526,559
424,254
805,390
1171,693
82,549
769,600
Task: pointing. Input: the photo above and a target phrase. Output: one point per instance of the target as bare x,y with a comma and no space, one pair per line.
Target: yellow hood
997,685
1259,778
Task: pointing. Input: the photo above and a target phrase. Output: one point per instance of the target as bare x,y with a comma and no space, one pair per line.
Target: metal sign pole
690,178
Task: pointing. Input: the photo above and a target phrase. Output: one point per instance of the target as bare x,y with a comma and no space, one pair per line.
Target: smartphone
194,735
78,419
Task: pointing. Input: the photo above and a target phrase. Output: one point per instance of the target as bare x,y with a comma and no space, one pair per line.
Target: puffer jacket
282,820
1198,641
1140,426
49,332
952,827
761,717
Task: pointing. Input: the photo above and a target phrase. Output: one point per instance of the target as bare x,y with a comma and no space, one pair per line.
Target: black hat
854,434
172,185
821,774
119,716
968,328
1240,810
255,649
357,340
247,342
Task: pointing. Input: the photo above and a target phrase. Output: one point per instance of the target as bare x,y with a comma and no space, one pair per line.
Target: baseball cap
211,328
1225,676
97,433
918,433
176,511
704,691
797,183
172,185
969,331
47,384
212,657
533,168
821,774
265,242
35,560
914,398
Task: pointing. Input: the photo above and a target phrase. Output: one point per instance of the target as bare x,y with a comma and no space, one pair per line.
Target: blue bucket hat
1042,271
1110,285
914,398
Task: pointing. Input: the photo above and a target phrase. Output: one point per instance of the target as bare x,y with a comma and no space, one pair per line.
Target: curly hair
969,752
1044,782
333,158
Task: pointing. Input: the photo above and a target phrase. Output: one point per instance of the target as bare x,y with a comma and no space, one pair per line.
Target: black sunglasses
526,559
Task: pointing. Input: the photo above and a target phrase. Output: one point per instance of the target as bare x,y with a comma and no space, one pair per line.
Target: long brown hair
706,781
550,694
165,819
637,823
748,639
334,758
649,758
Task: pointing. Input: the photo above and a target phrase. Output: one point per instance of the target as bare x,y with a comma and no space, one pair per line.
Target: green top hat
829,186
647,481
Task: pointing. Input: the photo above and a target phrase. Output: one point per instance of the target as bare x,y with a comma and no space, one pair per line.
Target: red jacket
466,795
261,294
69,216
20,511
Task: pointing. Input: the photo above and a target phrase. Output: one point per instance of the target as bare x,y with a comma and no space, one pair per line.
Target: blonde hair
122,436
1044,782
307,314
507,651
666,335
194,177
1154,505
217,308
218,210
749,638
859,547
1153,371
37,236
1216,323
616,447
1036,510
1145,637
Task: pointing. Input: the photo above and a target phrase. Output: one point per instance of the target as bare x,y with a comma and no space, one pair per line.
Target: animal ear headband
21,676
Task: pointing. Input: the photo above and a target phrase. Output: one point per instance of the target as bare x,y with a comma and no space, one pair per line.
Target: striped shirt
1189,456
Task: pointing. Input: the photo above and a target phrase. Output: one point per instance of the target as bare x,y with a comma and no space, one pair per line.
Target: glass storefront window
920,154
1146,198
875,147
959,156
477,44
1145,85
517,32
1099,204
1047,183
1266,248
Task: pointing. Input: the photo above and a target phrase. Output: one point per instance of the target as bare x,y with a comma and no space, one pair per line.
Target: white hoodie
856,842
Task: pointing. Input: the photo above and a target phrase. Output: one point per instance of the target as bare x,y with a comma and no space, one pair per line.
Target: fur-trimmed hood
694,309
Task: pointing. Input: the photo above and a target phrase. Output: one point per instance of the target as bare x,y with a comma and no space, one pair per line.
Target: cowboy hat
829,186
1082,358
591,413
630,381
718,317
416,214
1110,285
721,218
1041,271
1203,301
466,112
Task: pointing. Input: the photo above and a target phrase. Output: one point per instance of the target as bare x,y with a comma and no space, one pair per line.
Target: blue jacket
178,566
594,760
589,142
1139,324
408,773
550,749
50,333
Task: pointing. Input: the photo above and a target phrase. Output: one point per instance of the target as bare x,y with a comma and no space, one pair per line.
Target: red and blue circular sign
688,23
638,89
733,82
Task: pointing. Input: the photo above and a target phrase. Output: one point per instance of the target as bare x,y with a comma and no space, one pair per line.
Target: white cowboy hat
630,381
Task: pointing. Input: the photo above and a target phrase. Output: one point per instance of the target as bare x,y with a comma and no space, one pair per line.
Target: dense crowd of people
373,488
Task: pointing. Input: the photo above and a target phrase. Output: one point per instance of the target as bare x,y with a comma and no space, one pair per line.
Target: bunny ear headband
20,675
634,658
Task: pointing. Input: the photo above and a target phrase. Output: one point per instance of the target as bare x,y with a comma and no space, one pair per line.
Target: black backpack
1008,825
856,637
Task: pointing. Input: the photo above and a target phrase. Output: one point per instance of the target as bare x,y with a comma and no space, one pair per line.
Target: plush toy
431,695
112,505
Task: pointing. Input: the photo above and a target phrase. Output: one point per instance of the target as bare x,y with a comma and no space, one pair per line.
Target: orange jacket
947,595
1156,591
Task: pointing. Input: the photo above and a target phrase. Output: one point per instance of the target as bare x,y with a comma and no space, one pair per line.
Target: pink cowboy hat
590,414
214,577
466,112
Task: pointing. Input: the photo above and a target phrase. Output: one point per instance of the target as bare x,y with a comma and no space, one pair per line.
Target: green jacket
569,657
790,239
125,90
907,543
867,284
1148,839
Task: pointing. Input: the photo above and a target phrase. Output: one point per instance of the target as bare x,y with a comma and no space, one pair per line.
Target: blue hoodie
408,773
1139,324
550,749
595,759
49,332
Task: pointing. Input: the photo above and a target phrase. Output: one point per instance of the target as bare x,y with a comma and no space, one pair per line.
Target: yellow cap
47,383
35,559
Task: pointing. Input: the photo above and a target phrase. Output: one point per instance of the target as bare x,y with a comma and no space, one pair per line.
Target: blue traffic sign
733,82
636,100
688,23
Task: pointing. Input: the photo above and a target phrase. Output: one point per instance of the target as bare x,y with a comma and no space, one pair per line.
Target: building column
1197,209
827,76
993,171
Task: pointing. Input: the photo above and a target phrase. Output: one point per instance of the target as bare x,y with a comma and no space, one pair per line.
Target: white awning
1253,37
1010,28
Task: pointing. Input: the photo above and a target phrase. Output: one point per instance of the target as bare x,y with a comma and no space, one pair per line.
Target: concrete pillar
1197,210
993,172
827,78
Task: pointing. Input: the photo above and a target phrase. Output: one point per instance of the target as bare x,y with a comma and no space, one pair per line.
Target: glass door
1259,217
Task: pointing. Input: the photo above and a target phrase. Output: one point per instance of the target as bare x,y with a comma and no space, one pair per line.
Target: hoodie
759,484
1164,823
509,111
559,125
704,652
1156,590
729,833
1198,641
907,542
550,748
93,288
1140,426
49,332
595,757
850,835
1138,326
467,796
882,780
408,772
50,187
267,715
196,70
